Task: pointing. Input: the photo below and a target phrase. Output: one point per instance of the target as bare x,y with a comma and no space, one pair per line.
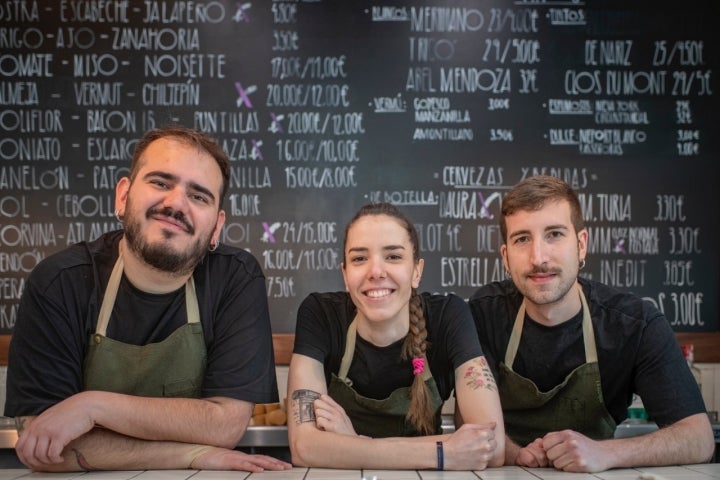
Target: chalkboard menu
325,105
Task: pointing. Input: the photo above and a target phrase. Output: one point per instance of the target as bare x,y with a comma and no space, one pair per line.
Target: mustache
544,270
174,214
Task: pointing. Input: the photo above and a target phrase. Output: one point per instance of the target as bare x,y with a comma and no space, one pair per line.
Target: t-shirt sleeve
311,329
321,328
462,340
241,361
483,324
662,378
47,348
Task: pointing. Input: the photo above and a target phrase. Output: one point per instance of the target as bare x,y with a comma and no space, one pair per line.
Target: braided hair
420,414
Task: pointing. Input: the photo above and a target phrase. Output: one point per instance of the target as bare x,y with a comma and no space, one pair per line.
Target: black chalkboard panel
438,106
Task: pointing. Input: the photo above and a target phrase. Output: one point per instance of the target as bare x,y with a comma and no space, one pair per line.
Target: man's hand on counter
215,458
532,455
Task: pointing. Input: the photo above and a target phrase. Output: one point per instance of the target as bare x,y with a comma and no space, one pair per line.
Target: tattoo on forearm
479,375
302,405
82,463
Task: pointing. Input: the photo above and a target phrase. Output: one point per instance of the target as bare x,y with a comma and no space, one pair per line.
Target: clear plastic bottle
636,410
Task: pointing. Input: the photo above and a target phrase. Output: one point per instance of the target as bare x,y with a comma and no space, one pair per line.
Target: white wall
710,384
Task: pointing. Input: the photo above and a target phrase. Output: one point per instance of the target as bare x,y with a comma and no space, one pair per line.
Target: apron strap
350,351
191,301
109,299
588,333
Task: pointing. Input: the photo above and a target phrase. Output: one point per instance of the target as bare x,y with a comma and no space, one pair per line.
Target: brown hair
420,413
191,137
534,193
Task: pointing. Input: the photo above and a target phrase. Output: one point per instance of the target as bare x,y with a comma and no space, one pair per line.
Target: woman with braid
372,366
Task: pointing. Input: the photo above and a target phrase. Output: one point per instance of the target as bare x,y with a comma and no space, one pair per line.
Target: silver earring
118,216
582,264
213,246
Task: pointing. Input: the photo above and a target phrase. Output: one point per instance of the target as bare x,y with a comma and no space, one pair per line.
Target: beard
551,293
161,255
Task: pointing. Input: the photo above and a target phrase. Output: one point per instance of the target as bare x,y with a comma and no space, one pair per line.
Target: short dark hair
533,193
191,137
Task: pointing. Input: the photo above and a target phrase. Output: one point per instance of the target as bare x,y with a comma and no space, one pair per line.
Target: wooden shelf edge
707,346
4,344
283,346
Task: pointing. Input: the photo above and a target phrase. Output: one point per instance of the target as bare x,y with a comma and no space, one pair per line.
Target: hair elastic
418,364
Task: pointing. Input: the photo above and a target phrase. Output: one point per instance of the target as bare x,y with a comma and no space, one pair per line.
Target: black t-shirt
322,323
637,349
59,309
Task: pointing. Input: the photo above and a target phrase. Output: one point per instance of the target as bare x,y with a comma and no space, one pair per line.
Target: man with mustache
568,353
148,347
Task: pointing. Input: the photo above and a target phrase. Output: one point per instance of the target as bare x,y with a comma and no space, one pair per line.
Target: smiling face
380,270
171,208
542,254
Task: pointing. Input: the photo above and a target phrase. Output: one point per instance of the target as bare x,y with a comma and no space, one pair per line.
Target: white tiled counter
689,472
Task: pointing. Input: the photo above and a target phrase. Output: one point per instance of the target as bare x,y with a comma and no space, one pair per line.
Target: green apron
379,418
577,403
174,367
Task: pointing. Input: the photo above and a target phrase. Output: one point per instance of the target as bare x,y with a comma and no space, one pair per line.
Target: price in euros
501,135
682,309
280,287
309,232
